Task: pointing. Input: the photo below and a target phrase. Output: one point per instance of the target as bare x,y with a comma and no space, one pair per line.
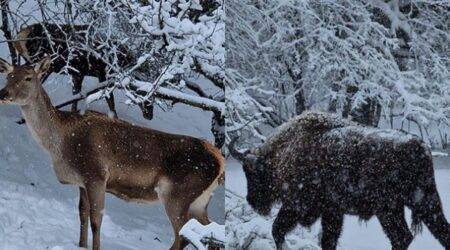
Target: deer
319,165
102,155
35,41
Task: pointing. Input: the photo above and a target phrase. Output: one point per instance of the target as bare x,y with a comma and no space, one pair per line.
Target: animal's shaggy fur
319,165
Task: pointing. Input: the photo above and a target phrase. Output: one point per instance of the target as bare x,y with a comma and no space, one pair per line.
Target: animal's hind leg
177,211
439,227
199,209
84,218
430,212
396,228
177,205
332,222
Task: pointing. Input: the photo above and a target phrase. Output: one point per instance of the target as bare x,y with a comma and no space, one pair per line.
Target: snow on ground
245,229
30,221
199,234
37,212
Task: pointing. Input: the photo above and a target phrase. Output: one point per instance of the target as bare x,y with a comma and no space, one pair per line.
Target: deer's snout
3,94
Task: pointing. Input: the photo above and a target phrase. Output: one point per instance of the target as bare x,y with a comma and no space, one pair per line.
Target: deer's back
136,156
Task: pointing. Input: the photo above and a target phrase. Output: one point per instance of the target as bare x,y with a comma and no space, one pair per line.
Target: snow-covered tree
158,51
363,59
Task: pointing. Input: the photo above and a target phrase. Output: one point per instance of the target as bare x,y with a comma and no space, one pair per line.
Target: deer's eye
28,78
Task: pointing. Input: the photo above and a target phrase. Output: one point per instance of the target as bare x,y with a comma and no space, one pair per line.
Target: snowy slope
255,231
37,212
28,220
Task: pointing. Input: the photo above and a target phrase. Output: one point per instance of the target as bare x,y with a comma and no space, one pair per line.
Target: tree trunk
218,129
300,102
147,109
367,113
7,32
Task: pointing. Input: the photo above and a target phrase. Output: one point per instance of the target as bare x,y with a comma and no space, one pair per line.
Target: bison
319,165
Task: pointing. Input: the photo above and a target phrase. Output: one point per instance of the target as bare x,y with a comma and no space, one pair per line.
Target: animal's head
20,43
260,188
35,41
32,41
22,82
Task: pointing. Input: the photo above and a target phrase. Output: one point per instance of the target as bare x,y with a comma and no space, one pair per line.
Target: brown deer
101,154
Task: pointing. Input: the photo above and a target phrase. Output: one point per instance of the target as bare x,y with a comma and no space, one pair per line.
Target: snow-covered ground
247,229
198,234
37,212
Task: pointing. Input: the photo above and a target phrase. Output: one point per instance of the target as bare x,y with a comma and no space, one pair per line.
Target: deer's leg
77,81
332,223
177,210
96,196
201,215
396,228
84,217
199,208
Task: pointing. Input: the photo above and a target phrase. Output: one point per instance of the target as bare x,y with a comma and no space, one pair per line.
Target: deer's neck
43,120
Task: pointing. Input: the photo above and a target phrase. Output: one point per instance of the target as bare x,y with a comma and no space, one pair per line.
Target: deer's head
22,82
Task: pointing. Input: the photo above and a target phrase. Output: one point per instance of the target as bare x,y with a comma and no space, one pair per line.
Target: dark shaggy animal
319,165
33,43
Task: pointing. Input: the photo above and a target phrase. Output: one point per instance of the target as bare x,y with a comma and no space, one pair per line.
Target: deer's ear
5,67
42,66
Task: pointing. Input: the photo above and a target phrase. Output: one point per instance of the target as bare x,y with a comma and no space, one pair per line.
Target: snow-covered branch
162,92
202,236
363,59
162,44
196,101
